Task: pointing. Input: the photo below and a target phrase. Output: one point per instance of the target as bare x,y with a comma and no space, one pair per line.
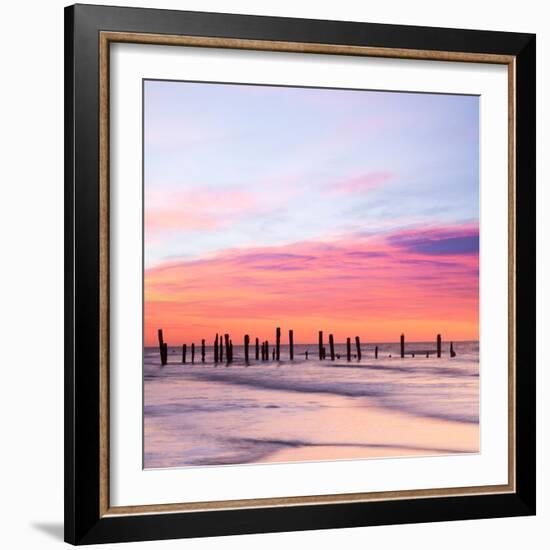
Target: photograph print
311,274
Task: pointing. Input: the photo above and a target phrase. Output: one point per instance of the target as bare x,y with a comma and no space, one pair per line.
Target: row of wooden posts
262,349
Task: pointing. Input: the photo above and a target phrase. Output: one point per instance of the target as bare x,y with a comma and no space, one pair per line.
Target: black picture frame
84,524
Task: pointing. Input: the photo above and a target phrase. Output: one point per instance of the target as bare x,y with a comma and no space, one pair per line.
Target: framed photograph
300,274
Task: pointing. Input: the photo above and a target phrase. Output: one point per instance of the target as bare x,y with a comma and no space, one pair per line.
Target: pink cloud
362,183
197,209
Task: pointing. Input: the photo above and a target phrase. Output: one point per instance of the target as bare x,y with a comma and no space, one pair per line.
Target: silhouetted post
331,344
221,348
278,343
320,344
267,350
163,357
376,352
246,342
291,344
358,346
273,355
402,345
348,348
227,355
192,353
216,349
257,349
453,353
439,345
203,350
230,351
165,353
183,353
324,352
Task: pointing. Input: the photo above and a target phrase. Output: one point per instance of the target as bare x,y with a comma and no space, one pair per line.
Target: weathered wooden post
192,353
216,349
278,343
183,353
230,351
257,349
161,347
221,348
452,351
358,346
348,348
227,354
273,355
331,344
376,352
246,343
203,349
439,345
291,344
402,345
320,344
165,353
267,350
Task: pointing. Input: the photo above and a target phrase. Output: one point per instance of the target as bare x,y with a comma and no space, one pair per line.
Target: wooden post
331,344
246,342
216,349
183,353
192,353
358,346
278,343
203,350
165,353
267,350
348,348
320,344
227,356
439,345
221,348
291,344
324,352
452,351
161,348
230,351
402,345
376,352
257,349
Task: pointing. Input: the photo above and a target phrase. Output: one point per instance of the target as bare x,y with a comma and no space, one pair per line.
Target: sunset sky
352,212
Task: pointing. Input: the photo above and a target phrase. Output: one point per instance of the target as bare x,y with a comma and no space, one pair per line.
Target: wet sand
377,432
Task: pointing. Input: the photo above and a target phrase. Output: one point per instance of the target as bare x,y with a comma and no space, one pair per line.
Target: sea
205,414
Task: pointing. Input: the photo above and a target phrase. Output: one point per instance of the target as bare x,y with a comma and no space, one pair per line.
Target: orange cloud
420,283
